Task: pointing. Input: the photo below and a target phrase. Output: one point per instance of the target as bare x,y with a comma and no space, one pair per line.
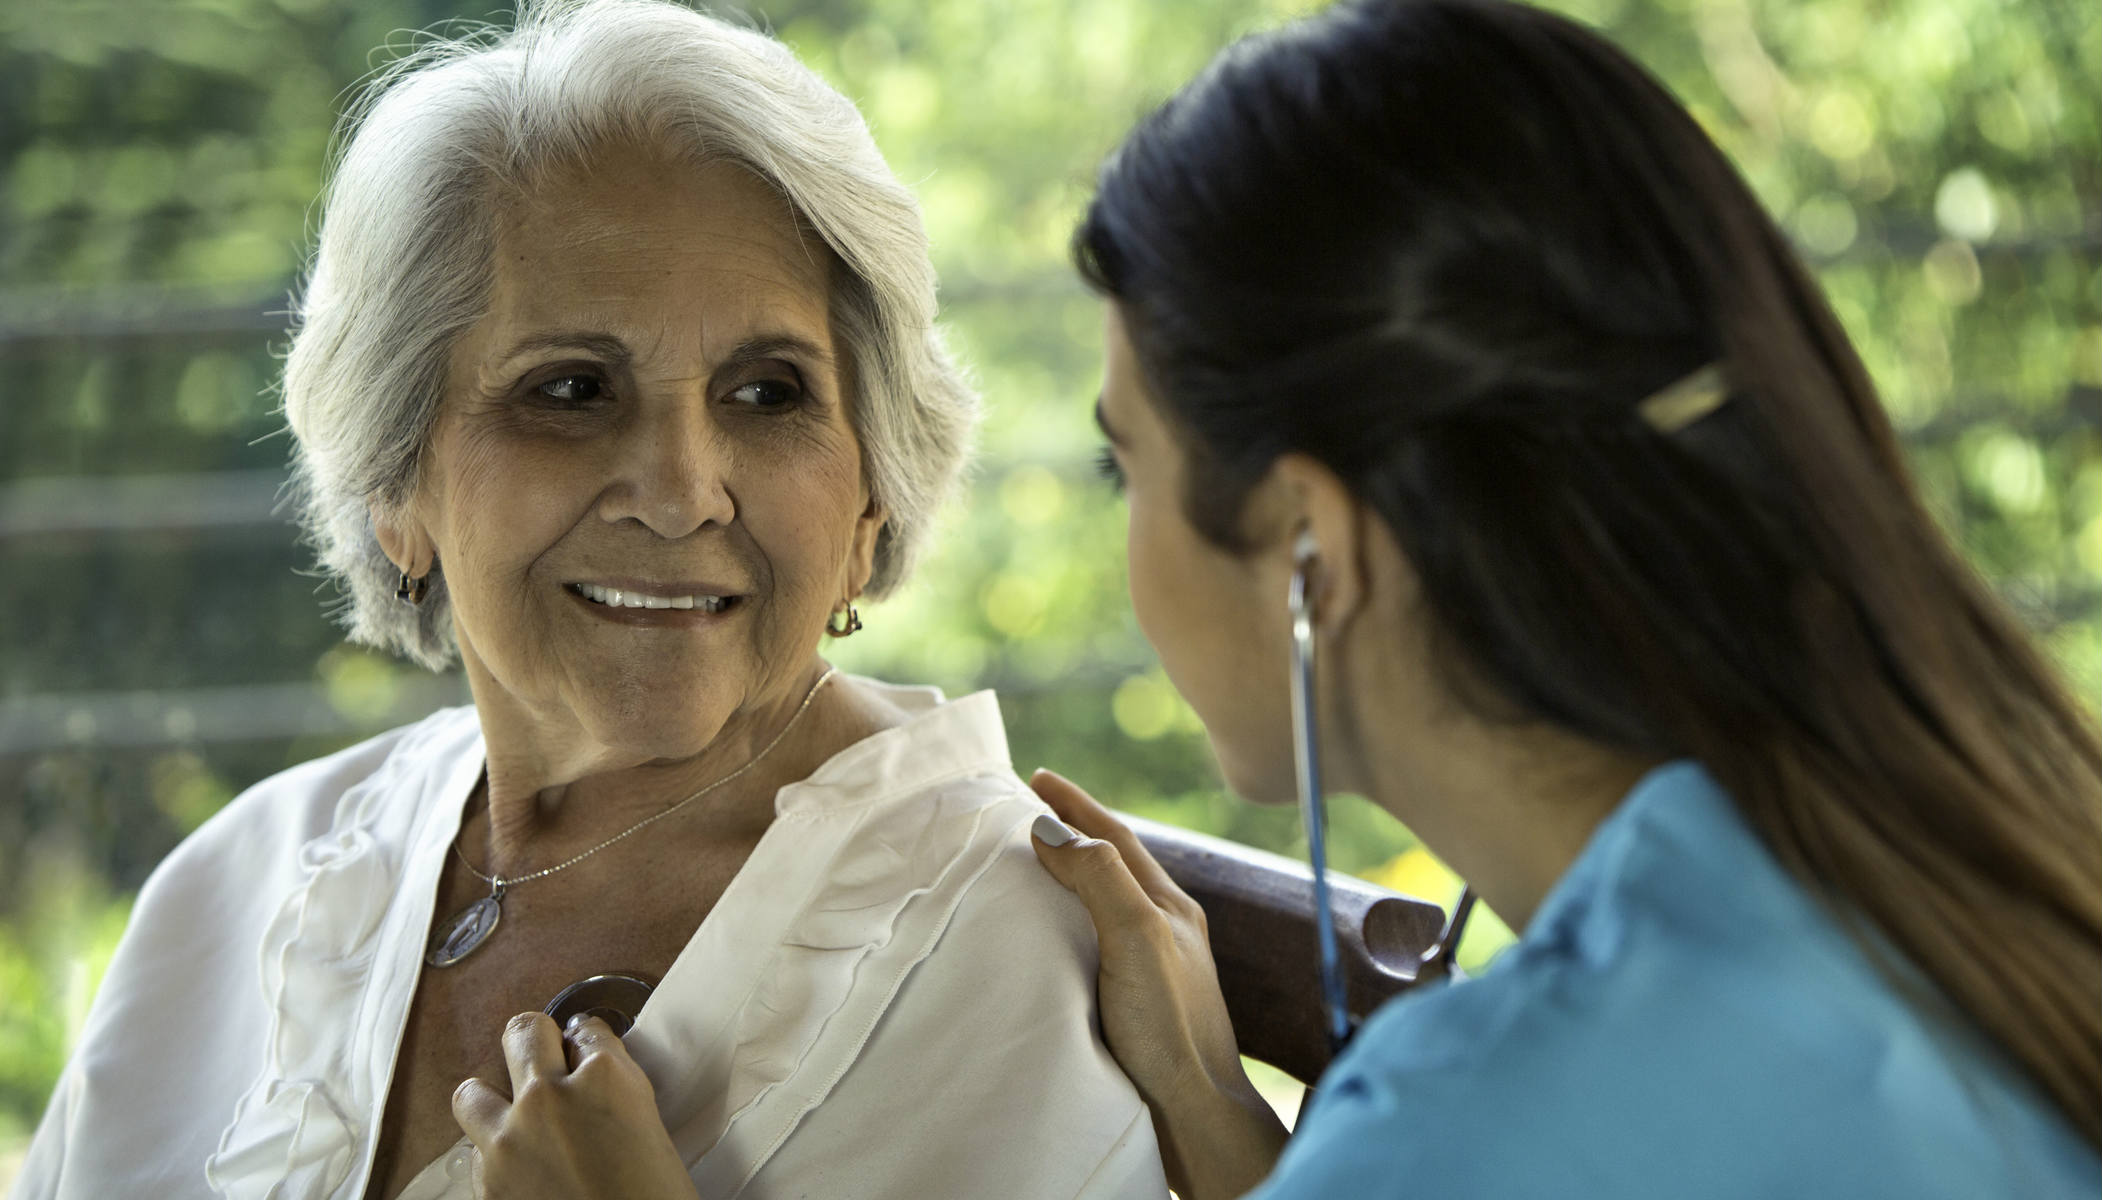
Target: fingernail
1051,831
576,1022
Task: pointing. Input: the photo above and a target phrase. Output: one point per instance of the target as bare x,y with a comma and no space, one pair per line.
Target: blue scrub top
1680,1020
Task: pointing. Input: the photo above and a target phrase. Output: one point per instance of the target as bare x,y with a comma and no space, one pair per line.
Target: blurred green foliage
1940,161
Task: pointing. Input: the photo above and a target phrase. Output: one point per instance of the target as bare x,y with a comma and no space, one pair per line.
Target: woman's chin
653,743
1265,781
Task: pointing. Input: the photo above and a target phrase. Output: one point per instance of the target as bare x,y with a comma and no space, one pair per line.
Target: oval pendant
465,933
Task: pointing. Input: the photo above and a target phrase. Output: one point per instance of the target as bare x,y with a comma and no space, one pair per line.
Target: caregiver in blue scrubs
1442,316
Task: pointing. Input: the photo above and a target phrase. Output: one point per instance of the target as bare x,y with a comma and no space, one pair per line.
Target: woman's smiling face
654,405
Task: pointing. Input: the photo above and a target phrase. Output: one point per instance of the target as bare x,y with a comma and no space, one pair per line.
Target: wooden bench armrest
1260,910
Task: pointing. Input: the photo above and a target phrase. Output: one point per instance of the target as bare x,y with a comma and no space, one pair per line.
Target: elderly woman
616,377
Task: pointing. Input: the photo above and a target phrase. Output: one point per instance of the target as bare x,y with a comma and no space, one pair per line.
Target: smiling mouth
612,597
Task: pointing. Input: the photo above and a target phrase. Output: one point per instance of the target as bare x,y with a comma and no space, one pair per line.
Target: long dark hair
1445,247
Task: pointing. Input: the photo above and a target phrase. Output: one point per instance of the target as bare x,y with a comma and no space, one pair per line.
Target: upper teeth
623,599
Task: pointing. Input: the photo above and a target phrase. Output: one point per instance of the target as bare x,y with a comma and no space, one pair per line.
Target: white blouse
891,999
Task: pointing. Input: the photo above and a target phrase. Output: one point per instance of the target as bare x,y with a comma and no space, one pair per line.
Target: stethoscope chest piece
615,999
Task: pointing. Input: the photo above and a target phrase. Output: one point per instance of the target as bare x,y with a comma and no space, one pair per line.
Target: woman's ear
403,540
1329,530
861,554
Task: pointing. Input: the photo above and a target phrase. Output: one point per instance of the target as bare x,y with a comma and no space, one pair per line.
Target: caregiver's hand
581,1123
1162,1013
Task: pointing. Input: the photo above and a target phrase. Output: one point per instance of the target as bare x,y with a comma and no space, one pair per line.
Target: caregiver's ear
1316,516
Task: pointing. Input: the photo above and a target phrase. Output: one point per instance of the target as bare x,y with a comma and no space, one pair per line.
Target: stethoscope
615,999
1438,960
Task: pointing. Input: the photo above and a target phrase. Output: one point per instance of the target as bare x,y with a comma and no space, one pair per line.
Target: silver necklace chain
498,884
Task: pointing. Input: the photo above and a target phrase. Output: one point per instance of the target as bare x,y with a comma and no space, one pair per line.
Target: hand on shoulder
1163,1014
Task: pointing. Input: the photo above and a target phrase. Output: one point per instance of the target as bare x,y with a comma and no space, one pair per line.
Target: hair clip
1680,404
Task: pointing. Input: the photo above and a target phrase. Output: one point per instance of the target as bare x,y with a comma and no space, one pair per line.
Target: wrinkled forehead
621,194
657,251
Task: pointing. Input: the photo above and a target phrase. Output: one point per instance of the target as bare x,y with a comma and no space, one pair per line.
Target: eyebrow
1102,423
773,345
615,351
601,345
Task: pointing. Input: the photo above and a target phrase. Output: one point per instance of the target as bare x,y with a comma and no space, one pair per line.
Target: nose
671,471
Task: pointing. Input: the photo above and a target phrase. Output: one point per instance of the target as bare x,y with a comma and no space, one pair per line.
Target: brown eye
572,389
767,393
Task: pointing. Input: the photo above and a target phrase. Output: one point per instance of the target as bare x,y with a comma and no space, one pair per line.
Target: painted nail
1051,831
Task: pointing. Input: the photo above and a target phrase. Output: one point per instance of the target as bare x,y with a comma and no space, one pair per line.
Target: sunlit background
161,646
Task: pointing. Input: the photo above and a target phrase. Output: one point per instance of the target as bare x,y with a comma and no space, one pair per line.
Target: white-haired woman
616,377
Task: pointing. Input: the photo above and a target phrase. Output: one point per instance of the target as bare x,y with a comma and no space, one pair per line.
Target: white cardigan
891,999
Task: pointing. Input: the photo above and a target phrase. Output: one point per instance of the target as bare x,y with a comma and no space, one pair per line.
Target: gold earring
852,626
412,590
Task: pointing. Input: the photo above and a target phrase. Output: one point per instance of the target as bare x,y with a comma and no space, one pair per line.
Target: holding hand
1163,1015
581,1123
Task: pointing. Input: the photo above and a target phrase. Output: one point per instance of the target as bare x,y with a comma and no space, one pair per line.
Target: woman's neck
1512,823
551,792
1508,805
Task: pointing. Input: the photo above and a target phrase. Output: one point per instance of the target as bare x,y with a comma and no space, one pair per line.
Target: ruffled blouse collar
758,1016
339,966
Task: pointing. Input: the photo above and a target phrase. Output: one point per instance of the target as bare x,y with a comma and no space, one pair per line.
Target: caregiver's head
1421,279
618,321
